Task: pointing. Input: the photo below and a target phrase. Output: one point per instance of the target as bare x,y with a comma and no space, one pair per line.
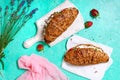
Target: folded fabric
39,68
92,72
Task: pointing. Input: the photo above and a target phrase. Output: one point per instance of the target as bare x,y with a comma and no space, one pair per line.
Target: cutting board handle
28,43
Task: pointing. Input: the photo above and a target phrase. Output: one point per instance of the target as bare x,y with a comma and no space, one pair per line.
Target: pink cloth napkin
39,68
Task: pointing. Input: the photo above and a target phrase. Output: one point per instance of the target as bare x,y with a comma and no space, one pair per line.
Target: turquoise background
105,30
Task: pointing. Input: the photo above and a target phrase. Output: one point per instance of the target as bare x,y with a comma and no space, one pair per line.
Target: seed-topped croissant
58,22
85,54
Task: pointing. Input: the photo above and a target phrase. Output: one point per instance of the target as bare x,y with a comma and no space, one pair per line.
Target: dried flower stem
13,19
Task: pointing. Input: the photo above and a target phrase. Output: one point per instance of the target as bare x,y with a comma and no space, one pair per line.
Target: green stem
10,26
1,23
1,56
2,63
18,28
14,28
7,25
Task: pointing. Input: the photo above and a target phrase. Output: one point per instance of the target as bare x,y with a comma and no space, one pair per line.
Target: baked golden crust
85,56
58,22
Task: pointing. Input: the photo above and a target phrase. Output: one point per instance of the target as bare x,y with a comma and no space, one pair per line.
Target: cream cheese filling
85,46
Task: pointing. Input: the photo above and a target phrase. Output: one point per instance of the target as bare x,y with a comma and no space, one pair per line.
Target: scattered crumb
95,71
99,36
93,39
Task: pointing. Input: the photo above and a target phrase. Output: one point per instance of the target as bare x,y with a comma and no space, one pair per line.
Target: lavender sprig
12,2
0,9
0,21
29,2
12,21
33,12
21,4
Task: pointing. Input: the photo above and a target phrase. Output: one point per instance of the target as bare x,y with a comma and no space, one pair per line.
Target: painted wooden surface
105,30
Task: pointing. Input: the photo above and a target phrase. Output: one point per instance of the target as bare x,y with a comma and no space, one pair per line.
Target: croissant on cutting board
85,54
58,22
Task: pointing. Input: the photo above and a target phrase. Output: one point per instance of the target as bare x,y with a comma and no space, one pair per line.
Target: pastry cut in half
58,23
85,54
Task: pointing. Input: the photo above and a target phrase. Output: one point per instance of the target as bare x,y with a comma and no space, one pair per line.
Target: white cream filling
85,46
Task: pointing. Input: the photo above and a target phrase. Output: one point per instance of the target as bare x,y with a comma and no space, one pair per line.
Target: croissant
85,54
58,22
